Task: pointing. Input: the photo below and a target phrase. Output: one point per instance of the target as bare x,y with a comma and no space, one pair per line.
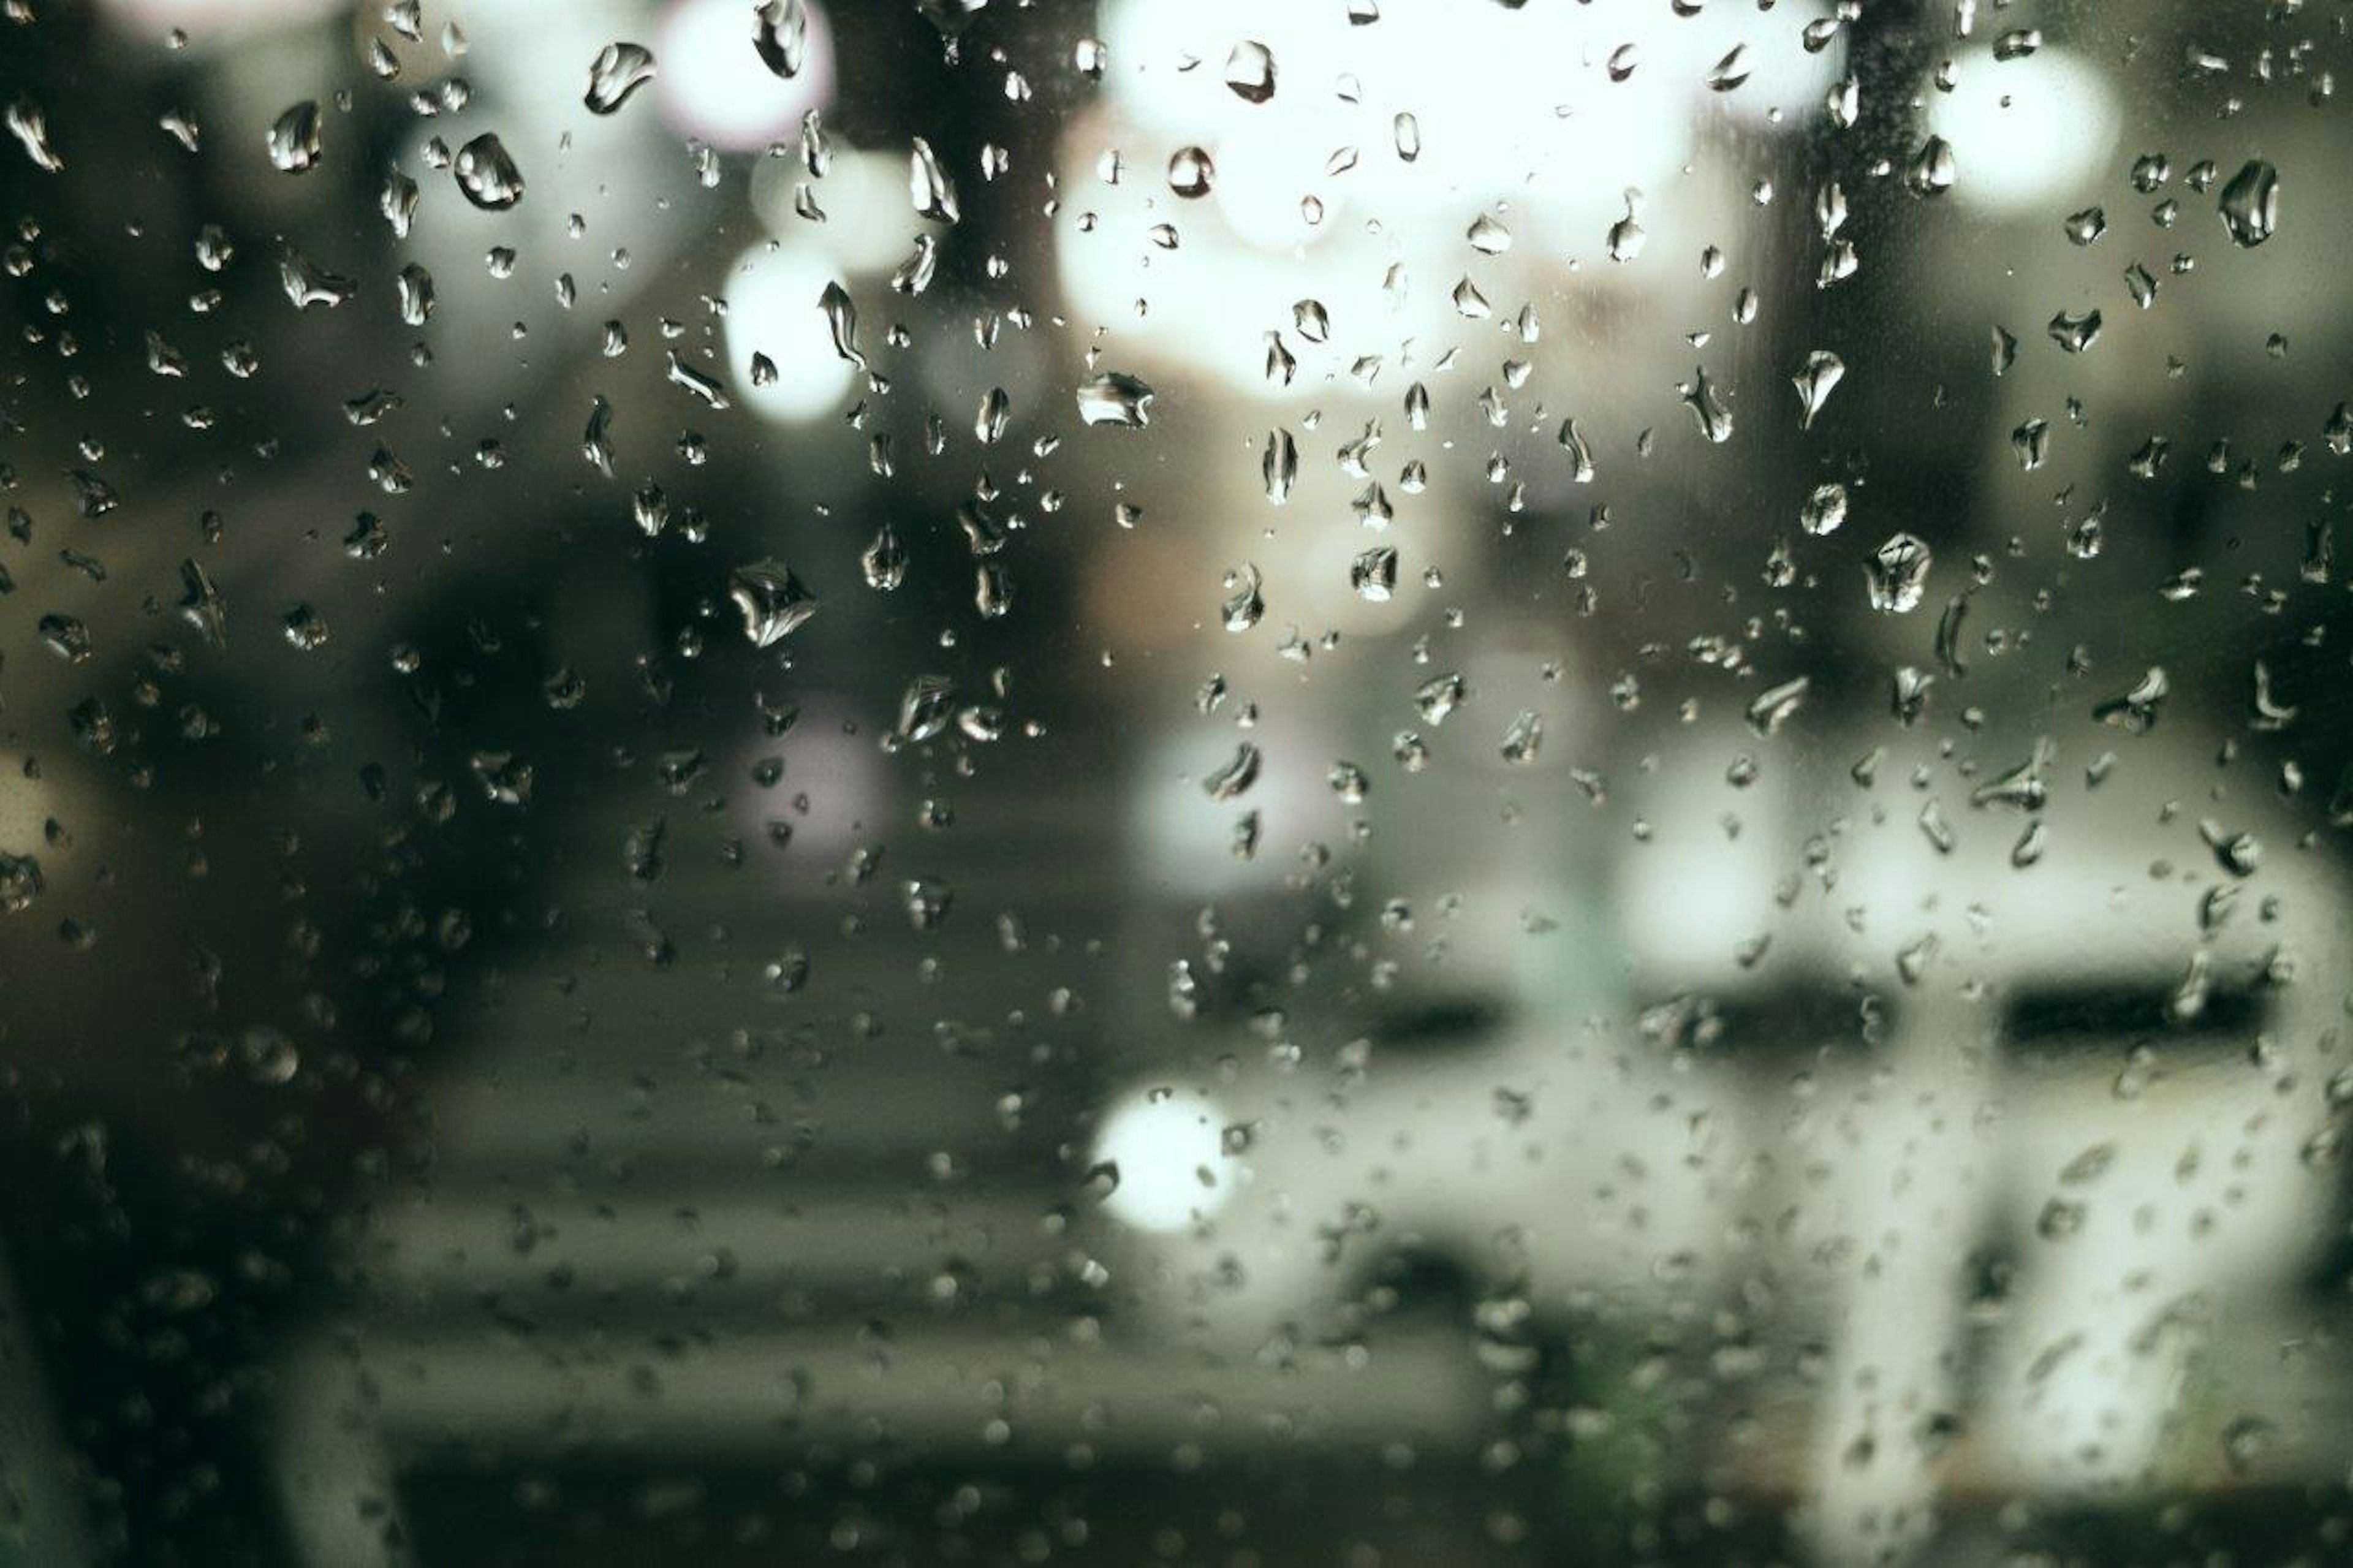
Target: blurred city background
1009,780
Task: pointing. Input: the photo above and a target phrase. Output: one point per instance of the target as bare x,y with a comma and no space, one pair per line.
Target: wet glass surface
945,781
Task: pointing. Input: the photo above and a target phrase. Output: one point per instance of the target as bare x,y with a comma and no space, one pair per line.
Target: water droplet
21,883
293,139
487,175
2074,333
884,562
1772,708
1580,454
619,70
1405,132
842,321
1190,172
1815,382
928,184
780,36
1933,170
774,602
1898,572
1244,601
1487,236
1373,574
1279,466
2250,203
416,294
705,390
1731,70
31,128
1627,236
1115,399
306,283
1522,739
1235,778
1249,71
1824,509
1708,411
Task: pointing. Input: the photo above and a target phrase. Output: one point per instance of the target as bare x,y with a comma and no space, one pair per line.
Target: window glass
1370,781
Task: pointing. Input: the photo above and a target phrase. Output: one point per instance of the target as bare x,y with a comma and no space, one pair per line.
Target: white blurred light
2028,131
1162,1142
712,82
1513,105
772,308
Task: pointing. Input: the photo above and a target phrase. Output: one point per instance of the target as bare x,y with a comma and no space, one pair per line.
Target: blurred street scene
1011,781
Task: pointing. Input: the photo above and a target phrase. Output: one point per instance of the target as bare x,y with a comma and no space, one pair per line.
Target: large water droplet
928,184
1249,71
1821,374
1190,172
1898,574
31,128
2250,203
619,70
774,602
1932,169
1707,409
293,139
842,321
1115,399
780,36
487,175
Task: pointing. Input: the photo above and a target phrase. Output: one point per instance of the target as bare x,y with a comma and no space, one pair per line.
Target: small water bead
1191,172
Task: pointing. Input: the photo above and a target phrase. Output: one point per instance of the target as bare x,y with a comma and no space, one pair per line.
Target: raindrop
1373,574
1932,172
780,36
704,389
842,321
619,70
1522,739
928,184
1580,454
2250,203
2076,333
1815,382
293,139
1708,411
416,294
1115,399
1772,708
773,601
2084,226
884,562
1898,572
487,175
1406,132
1244,601
31,128
1235,778
1249,71
1190,172
1824,509
1627,236
1279,466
